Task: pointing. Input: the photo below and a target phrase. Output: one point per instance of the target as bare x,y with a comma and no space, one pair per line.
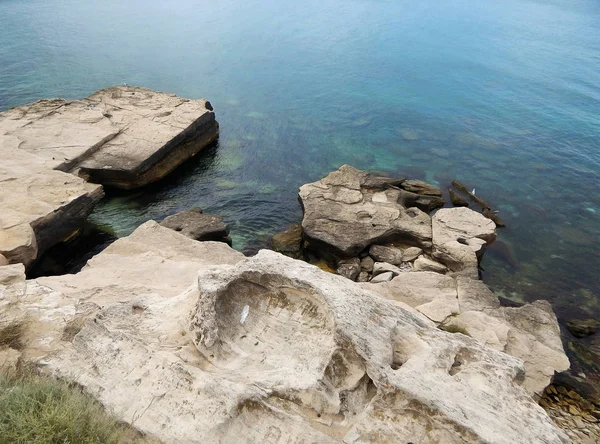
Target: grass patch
454,329
37,409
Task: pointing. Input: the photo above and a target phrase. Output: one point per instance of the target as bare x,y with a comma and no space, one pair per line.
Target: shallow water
502,95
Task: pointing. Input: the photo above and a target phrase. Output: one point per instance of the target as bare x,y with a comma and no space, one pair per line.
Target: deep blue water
503,95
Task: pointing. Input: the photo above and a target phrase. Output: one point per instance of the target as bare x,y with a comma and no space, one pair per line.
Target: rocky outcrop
459,236
467,305
39,208
264,349
199,226
122,136
349,210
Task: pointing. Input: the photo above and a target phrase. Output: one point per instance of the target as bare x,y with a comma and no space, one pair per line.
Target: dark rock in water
420,187
457,200
349,268
492,215
423,202
459,186
199,226
289,242
504,252
581,328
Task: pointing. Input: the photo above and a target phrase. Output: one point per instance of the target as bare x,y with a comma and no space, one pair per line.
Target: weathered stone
411,253
264,347
383,277
384,267
350,268
39,207
3,260
420,187
345,213
199,226
425,264
457,200
122,136
289,242
367,263
363,276
459,234
382,253
530,332
581,328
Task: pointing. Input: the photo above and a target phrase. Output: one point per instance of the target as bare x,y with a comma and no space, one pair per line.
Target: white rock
317,359
383,267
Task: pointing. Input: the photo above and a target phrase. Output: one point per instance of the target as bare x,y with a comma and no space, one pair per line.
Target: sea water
503,95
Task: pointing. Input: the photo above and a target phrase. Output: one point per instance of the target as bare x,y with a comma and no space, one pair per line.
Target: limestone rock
530,333
384,267
349,210
199,226
382,277
350,268
39,207
367,263
459,236
3,260
276,350
411,253
425,264
580,328
122,136
416,193
456,199
289,242
382,253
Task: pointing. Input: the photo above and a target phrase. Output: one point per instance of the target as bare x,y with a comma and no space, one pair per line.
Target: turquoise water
502,95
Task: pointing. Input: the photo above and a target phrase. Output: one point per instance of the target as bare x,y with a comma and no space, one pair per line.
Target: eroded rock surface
349,210
275,350
530,332
39,207
122,136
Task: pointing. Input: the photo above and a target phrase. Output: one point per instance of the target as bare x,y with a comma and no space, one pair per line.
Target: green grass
37,409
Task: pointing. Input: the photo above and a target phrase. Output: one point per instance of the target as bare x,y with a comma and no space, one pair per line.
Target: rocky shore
56,153
190,341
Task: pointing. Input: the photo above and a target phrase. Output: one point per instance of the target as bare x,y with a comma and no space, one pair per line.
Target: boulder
349,268
423,263
459,236
383,253
275,350
349,210
367,263
411,253
122,136
199,226
3,260
384,267
416,193
382,277
580,328
289,242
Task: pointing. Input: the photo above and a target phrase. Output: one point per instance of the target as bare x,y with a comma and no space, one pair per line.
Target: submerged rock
580,328
199,226
289,242
456,199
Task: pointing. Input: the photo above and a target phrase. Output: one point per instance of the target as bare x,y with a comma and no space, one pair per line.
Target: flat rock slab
122,136
39,207
199,226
